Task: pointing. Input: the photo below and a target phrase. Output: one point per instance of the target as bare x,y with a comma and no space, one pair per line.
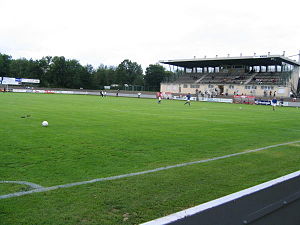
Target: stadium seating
271,78
235,77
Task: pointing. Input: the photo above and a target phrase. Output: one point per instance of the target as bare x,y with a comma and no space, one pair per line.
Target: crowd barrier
273,202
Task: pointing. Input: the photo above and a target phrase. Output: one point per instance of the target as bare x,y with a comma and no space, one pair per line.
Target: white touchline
43,189
32,185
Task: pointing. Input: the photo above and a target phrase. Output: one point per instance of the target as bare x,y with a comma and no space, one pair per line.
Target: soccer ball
45,124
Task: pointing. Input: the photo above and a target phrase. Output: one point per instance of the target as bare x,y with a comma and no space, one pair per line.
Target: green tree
155,74
73,74
102,77
111,75
68,73
44,65
33,70
5,60
86,76
23,68
108,75
129,73
57,72
18,68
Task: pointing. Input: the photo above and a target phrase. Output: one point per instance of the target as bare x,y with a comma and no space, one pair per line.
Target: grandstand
266,75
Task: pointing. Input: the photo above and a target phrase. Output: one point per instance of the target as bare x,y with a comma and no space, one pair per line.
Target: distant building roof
263,60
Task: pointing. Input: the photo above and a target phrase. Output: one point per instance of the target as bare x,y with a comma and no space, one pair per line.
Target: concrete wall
281,91
276,202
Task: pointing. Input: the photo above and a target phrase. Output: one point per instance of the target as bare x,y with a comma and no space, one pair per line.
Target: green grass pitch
90,137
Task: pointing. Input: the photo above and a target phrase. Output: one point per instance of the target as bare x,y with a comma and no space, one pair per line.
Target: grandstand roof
264,60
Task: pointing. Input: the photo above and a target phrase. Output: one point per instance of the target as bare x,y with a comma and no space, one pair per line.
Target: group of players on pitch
188,100
159,96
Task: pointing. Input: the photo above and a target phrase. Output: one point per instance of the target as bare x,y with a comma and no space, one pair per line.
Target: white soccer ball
44,123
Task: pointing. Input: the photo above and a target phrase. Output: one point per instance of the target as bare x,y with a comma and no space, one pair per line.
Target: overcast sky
109,31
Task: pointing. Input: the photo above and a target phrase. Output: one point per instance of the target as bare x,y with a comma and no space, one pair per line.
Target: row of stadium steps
250,79
235,77
213,78
201,78
225,78
270,78
186,78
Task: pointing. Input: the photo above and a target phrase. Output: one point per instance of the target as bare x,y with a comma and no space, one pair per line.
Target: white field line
44,189
32,185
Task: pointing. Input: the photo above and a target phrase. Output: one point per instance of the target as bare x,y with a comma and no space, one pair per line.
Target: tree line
60,72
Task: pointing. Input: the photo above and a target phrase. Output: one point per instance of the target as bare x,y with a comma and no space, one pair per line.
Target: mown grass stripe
17,194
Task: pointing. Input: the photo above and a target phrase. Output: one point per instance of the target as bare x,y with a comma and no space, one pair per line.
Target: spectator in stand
270,93
274,93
